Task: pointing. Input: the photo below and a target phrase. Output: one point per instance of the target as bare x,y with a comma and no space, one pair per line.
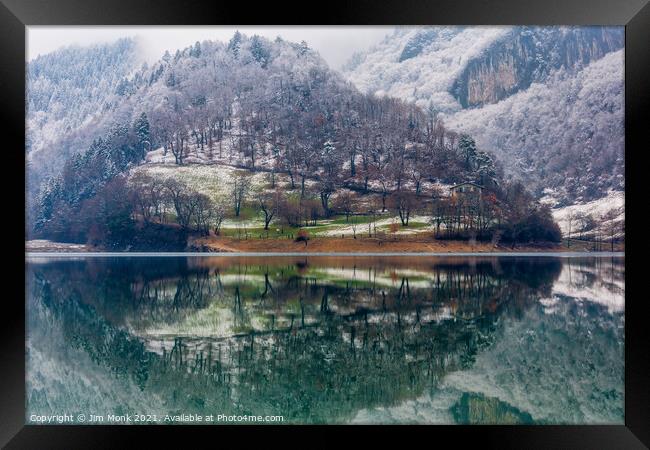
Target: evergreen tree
235,43
467,148
486,170
170,81
142,131
195,51
303,48
50,194
259,51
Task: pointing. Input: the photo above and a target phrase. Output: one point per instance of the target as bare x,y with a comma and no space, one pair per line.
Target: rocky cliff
530,54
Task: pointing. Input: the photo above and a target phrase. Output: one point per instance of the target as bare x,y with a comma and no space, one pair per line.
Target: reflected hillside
315,339
598,280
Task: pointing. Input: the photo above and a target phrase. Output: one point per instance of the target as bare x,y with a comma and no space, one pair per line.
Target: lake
326,339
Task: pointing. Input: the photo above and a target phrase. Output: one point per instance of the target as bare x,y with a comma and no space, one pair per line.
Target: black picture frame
15,15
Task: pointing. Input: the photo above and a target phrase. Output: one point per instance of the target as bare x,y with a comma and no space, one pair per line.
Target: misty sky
334,43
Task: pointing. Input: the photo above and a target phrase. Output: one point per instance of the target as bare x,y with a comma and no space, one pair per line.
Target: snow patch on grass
614,201
349,230
212,180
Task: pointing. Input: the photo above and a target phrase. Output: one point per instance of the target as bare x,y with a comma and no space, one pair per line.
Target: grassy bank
372,245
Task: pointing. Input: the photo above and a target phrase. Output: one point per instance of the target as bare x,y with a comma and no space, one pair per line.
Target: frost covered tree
142,130
275,107
467,148
259,51
235,43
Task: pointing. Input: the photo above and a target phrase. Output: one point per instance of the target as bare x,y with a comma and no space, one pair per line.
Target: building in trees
466,190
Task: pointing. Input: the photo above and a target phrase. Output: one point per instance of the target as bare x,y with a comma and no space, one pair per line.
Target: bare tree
345,203
269,203
438,207
217,216
202,212
583,223
179,194
611,226
325,190
148,195
570,218
240,187
403,202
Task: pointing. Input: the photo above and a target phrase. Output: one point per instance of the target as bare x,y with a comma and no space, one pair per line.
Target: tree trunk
324,199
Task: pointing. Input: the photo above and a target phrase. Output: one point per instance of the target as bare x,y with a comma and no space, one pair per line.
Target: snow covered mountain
548,101
565,135
67,90
420,64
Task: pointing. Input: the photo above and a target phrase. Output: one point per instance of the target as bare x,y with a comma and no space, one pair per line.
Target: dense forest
68,91
272,107
548,101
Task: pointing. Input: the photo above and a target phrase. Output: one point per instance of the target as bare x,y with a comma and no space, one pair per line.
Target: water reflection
330,340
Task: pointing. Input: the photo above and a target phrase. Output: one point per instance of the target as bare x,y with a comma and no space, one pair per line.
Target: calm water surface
441,340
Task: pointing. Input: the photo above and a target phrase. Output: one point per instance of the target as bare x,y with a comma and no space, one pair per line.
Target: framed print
394,214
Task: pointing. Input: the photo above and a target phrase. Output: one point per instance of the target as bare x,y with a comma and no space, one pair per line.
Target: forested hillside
547,101
582,115
271,107
67,91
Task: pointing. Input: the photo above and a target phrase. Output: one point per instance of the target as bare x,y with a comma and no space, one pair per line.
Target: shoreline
30,255
327,247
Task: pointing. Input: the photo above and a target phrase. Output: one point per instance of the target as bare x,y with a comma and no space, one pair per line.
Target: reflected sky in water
330,339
